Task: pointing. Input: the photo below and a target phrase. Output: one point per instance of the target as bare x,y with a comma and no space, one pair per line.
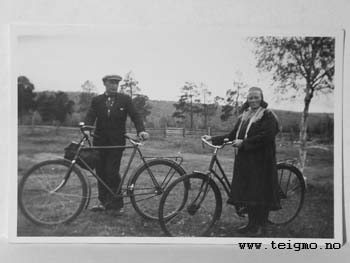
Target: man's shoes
98,208
114,204
115,212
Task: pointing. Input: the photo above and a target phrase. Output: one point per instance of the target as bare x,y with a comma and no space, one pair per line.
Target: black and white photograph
176,134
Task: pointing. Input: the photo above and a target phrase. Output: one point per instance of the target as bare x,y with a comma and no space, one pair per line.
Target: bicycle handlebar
83,128
133,140
216,146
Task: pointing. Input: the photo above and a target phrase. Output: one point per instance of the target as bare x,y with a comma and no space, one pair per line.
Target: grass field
314,221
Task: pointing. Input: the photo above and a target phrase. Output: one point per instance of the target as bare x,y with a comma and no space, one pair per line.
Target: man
110,111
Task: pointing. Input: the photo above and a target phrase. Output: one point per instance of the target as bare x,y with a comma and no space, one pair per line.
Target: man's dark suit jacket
110,129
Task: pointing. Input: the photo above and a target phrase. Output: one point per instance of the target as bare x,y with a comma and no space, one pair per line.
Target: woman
254,185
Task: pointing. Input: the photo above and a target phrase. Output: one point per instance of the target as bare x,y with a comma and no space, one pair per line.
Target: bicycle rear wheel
144,194
51,193
199,213
291,191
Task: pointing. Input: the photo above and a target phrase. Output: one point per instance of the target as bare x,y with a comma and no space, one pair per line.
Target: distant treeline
71,108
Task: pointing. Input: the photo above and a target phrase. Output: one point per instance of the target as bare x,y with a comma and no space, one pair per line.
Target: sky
161,59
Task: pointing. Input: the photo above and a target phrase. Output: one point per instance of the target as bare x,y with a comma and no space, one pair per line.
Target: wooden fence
174,132
154,132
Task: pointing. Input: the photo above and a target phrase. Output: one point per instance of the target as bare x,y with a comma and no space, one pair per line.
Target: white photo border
17,30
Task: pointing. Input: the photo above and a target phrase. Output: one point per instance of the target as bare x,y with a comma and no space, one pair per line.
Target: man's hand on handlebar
143,135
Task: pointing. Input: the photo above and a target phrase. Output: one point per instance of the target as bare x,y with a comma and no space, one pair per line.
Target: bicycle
203,201
56,191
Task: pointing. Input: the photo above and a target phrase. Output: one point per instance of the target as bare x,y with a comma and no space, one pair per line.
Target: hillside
289,120
161,113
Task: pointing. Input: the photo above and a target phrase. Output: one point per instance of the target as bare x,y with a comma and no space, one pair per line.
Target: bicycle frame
133,153
223,179
136,149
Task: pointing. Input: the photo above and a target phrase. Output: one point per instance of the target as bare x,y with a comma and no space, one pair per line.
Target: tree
46,106
129,85
180,109
163,122
300,64
233,100
142,106
54,106
207,104
62,107
186,104
26,96
85,97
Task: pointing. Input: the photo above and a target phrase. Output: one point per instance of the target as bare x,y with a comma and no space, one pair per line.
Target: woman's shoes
244,229
242,211
256,231
230,202
250,230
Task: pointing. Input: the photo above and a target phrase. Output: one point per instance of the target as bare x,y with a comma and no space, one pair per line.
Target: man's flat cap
112,77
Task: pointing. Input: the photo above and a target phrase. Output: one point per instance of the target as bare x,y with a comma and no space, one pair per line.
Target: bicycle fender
291,166
138,168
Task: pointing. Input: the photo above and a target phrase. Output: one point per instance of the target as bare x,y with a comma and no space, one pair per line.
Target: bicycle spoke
44,175
149,183
33,198
47,179
296,187
288,182
42,184
292,194
167,176
66,195
41,204
147,198
198,214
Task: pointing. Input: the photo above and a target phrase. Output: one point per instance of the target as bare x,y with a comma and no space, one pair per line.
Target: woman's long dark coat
255,175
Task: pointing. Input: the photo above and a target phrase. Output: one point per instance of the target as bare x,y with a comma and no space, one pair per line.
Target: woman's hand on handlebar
237,143
207,138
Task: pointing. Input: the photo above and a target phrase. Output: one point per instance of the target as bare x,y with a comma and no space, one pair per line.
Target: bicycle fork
202,192
64,181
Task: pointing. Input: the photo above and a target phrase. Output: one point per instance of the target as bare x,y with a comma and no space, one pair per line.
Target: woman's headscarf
257,116
263,103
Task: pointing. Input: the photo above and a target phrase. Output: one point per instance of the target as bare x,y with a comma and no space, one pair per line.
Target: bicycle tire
41,203
143,195
194,217
291,191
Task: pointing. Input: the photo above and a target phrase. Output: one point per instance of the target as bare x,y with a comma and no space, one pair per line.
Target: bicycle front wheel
149,183
291,192
52,193
199,213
